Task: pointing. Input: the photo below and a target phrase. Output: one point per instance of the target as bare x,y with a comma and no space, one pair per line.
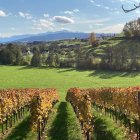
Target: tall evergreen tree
36,59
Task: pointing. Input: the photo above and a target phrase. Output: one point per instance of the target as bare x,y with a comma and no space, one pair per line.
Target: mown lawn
62,124
63,79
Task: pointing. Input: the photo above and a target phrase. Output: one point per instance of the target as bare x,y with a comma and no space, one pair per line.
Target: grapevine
39,102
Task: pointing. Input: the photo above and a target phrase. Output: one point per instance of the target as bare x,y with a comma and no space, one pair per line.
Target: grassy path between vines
106,129
22,131
22,125
63,124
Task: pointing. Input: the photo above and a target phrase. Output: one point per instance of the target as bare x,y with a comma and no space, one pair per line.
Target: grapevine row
13,103
81,103
125,101
41,107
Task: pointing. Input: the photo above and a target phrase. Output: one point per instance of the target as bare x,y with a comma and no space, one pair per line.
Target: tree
53,60
135,7
19,58
50,60
43,58
127,30
27,59
11,54
36,59
132,28
5,57
57,60
93,41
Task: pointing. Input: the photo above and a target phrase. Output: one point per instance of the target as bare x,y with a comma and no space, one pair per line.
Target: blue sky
37,16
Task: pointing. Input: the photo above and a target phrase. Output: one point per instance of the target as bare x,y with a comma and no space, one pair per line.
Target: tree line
14,54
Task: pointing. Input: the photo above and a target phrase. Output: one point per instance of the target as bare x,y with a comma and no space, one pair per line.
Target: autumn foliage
124,100
38,101
81,103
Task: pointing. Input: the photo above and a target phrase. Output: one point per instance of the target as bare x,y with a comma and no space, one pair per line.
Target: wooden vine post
39,131
39,121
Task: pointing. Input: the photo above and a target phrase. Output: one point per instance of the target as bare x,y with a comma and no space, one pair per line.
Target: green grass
106,129
22,131
63,124
63,79
131,45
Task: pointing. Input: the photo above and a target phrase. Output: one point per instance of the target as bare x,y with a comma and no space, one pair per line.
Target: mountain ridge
49,36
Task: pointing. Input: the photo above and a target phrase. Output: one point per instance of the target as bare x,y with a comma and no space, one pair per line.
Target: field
63,79
62,124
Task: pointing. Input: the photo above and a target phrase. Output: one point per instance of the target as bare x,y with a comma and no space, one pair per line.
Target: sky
37,16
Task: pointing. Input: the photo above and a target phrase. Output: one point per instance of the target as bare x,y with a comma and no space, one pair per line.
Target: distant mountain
49,36
13,38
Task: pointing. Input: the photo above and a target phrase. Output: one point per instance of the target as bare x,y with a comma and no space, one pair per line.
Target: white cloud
91,26
43,24
111,29
93,21
25,15
137,12
99,5
92,1
117,12
2,14
12,28
36,28
46,15
46,23
3,35
76,10
68,12
106,7
96,24
67,29
63,19
71,12
21,14
129,1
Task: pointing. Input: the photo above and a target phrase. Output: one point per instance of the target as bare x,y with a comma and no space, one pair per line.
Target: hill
49,36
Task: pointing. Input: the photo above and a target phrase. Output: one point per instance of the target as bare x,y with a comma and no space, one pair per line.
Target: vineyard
122,104
14,102
76,114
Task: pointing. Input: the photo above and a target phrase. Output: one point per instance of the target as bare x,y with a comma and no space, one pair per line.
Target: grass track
63,125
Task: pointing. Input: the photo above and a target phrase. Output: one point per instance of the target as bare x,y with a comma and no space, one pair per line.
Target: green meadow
63,79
